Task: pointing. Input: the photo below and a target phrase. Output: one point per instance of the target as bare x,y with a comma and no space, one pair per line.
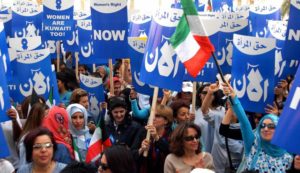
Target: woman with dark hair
57,122
35,118
40,148
158,146
181,112
117,159
121,128
64,93
186,151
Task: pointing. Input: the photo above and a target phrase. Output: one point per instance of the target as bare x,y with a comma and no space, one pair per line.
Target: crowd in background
218,136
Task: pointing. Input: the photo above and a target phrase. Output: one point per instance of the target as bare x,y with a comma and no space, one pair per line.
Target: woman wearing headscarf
79,130
57,122
259,154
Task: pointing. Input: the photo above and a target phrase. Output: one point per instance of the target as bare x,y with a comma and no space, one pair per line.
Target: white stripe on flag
188,48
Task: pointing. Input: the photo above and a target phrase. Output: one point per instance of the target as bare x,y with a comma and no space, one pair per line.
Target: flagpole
218,67
194,97
76,65
111,82
152,115
57,55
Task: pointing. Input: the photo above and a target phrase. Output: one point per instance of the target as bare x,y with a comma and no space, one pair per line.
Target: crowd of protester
218,136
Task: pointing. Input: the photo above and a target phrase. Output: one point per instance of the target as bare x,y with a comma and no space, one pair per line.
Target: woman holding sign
260,154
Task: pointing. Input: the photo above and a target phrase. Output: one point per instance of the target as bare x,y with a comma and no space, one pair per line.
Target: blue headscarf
269,148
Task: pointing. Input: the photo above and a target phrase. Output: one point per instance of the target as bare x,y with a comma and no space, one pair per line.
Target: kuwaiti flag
98,143
190,40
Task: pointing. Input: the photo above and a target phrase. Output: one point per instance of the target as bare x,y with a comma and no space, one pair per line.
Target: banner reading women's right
287,131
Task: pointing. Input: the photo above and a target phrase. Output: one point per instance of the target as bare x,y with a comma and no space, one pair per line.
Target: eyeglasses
270,126
191,138
103,166
41,146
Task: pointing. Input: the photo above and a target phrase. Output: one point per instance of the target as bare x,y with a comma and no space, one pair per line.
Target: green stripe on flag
181,32
189,7
76,152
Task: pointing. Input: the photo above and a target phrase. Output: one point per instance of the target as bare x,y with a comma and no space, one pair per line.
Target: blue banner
31,69
139,24
136,52
72,44
51,45
4,94
225,44
4,56
5,17
110,28
86,48
287,131
160,61
222,5
94,87
253,71
292,41
3,145
278,31
260,13
26,19
54,89
58,22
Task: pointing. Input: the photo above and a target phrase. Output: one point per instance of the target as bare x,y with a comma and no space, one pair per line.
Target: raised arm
208,98
239,111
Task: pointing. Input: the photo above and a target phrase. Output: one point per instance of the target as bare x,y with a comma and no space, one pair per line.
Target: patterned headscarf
57,122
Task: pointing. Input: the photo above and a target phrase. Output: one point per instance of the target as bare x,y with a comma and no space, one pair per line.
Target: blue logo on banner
287,133
139,24
222,5
95,89
58,22
29,74
110,28
26,19
260,13
160,60
253,71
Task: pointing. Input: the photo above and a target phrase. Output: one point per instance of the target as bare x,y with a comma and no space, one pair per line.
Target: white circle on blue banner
108,6
58,5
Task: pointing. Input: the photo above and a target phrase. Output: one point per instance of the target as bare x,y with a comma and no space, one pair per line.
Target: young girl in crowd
78,128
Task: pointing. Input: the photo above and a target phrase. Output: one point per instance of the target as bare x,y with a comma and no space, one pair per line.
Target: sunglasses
191,138
41,146
270,126
103,166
